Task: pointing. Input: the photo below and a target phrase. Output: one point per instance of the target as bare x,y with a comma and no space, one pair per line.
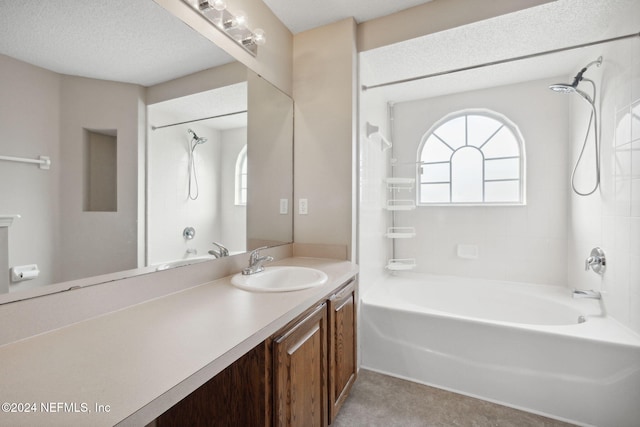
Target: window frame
505,122
241,161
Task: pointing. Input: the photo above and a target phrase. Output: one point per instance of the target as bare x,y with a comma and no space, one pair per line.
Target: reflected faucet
221,252
255,262
578,293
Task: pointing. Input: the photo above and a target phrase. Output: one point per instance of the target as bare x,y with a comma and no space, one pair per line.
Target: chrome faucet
578,293
255,262
221,252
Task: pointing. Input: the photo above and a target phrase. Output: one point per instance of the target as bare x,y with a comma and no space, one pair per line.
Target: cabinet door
342,347
300,372
234,397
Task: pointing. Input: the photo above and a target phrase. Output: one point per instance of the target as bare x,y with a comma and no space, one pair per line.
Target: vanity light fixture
234,25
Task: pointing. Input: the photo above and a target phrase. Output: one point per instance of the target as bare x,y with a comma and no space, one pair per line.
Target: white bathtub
516,344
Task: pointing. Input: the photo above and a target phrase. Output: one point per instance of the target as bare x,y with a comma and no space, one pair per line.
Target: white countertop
143,359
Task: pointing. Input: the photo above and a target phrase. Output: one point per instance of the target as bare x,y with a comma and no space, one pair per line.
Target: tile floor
378,400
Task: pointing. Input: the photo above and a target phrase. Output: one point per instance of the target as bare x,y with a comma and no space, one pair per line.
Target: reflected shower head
196,138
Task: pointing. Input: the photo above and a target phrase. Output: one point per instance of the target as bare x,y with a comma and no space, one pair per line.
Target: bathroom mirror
81,83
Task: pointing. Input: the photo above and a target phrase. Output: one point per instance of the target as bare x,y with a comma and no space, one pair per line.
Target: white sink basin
280,279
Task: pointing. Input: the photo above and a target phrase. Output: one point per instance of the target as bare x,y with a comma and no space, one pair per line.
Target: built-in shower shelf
400,183
401,264
400,205
400,232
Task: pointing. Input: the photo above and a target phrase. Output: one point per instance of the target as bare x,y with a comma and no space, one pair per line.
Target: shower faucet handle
597,261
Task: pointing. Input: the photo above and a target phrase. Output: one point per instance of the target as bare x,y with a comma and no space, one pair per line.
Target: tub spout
578,293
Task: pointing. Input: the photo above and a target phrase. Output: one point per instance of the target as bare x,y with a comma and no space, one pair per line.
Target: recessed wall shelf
400,205
400,264
400,232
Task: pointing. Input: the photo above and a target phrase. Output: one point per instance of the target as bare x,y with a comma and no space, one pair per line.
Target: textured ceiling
550,26
133,41
302,15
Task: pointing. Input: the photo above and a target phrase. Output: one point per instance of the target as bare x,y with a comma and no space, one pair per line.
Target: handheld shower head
562,87
593,119
196,138
573,87
569,88
193,175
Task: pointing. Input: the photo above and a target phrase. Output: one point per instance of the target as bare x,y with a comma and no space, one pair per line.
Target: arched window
472,157
241,177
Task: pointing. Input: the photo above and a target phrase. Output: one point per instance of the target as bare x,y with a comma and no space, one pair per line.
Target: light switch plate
303,206
284,206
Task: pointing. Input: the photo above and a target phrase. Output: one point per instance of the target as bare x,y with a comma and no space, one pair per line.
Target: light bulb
259,37
240,19
219,5
218,22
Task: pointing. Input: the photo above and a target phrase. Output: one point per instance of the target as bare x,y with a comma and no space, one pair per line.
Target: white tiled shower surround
517,243
611,219
548,240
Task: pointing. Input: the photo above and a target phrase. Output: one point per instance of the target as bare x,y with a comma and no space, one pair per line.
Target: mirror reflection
197,171
130,188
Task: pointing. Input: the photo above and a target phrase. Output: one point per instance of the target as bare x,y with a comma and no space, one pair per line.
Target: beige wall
224,75
88,239
30,127
270,164
323,88
437,15
49,118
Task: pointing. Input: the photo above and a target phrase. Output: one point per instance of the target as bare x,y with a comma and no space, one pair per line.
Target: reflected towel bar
43,162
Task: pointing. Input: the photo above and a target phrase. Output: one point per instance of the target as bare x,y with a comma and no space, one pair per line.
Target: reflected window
472,157
241,177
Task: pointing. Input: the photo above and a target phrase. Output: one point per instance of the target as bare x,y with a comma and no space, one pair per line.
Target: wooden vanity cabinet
300,373
301,352
342,346
235,397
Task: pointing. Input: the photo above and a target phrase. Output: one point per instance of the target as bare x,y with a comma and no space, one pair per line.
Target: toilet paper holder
24,272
